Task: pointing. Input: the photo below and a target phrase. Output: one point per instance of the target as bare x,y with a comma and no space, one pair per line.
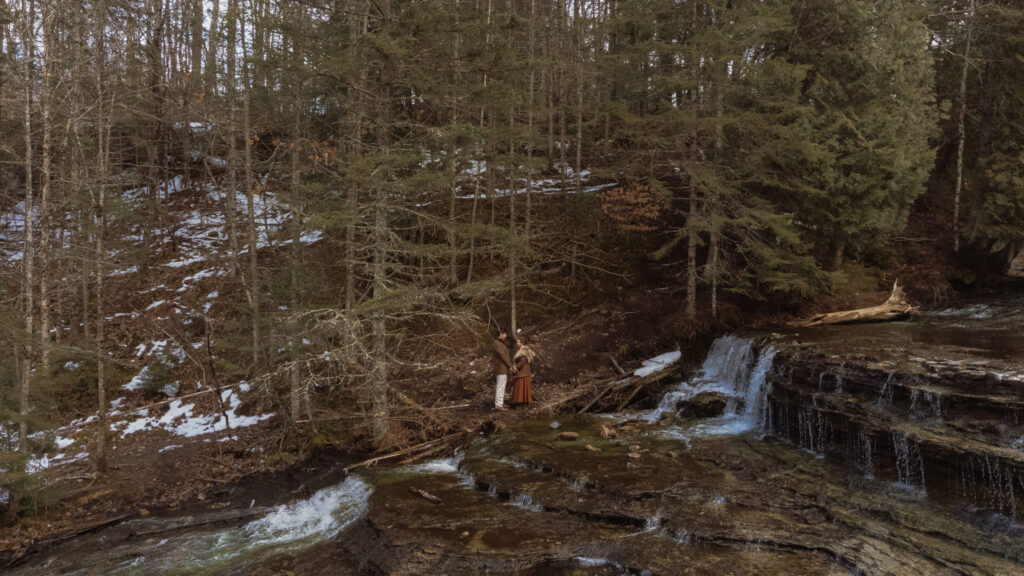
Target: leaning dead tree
895,308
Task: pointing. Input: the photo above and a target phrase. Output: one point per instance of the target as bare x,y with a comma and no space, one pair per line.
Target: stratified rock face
935,406
703,405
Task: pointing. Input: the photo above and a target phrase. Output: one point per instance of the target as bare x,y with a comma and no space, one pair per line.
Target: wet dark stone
703,405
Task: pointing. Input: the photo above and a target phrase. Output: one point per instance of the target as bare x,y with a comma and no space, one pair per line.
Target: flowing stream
890,449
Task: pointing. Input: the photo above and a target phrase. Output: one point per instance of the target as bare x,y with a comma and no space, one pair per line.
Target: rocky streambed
887,449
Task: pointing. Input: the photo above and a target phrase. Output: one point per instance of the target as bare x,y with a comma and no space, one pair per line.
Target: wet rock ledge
641,502
948,429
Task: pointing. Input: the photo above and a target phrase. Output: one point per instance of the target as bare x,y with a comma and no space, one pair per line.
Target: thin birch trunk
28,289
250,192
45,101
961,133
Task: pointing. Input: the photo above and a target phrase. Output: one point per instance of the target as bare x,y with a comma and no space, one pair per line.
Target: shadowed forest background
320,200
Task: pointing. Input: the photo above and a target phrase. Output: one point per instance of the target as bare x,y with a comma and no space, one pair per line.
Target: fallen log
404,452
600,394
427,414
637,383
425,495
425,453
85,526
895,308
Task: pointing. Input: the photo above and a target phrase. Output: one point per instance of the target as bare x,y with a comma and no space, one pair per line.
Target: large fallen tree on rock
895,308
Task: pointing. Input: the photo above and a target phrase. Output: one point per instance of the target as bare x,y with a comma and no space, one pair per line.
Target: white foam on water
323,515
734,369
283,528
448,465
525,501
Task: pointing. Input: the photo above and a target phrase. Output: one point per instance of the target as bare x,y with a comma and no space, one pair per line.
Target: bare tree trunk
453,264
691,255
712,273
512,191
961,136
838,248
231,210
194,87
210,86
45,101
254,279
549,76
529,127
28,291
481,161
356,31
86,286
579,180
154,55
472,217
297,393
691,220
578,22
378,378
103,148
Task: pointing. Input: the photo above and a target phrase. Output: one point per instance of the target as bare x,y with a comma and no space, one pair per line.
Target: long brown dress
521,393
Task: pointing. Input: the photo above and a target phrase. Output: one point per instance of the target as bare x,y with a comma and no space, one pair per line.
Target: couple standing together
518,366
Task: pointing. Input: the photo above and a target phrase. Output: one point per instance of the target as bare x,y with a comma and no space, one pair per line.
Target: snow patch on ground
658,363
40,463
182,262
136,382
181,421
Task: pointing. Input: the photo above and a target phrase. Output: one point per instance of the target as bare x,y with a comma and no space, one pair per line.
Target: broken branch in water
425,495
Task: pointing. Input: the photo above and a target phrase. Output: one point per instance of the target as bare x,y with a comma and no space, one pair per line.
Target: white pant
499,390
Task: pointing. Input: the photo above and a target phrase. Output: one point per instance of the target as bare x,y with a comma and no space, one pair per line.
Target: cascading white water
867,462
757,404
909,464
202,551
735,368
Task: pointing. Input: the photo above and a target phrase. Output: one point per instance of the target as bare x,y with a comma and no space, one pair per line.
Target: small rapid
190,546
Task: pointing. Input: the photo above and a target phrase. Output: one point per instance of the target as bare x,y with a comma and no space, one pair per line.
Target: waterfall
867,463
885,394
525,501
757,404
736,369
925,404
909,464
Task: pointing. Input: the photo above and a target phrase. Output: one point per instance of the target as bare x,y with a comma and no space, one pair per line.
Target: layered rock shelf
928,419
520,503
